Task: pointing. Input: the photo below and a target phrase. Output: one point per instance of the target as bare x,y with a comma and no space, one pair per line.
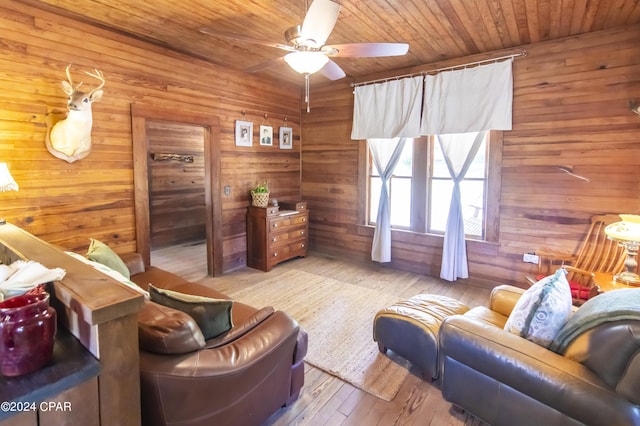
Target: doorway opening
177,181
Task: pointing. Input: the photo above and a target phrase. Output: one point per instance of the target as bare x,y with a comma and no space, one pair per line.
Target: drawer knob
302,245
275,225
301,232
304,218
275,254
274,239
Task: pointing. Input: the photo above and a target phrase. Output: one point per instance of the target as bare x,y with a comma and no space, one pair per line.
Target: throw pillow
213,316
101,253
542,310
108,271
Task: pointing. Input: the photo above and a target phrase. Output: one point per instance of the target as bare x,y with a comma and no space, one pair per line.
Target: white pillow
542,310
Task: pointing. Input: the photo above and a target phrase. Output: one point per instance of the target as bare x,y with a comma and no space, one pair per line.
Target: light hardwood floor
325,399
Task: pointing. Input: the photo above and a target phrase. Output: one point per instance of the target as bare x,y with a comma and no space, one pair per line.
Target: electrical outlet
530,258
227,190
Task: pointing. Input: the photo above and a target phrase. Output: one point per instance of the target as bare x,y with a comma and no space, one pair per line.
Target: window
420,189
399,189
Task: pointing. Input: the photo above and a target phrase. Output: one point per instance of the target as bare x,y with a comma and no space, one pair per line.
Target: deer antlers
69,88
97,74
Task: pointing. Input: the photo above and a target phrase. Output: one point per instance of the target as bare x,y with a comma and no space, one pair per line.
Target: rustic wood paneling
570,109
176,188
66,204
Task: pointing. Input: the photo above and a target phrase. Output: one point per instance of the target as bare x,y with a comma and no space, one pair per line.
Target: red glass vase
27,329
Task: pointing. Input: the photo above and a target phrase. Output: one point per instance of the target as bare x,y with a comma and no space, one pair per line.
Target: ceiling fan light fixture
306,62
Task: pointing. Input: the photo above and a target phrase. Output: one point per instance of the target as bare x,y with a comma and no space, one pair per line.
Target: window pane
401,202
472,193
405,164
374,198
439,165
439,202
477,169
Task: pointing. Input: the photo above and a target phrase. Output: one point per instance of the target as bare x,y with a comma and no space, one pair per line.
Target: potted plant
260,195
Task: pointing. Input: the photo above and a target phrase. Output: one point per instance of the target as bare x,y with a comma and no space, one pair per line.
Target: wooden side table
607,283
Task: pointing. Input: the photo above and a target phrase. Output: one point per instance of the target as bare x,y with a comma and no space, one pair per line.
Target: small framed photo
266,135
244,133
286,138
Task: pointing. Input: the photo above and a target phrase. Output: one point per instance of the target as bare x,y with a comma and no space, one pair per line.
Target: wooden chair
597,254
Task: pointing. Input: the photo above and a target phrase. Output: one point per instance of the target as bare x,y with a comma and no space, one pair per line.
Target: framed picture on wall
286,138
244,133
266,135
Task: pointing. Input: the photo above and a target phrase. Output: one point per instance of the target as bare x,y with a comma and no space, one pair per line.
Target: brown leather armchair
241,377
505,379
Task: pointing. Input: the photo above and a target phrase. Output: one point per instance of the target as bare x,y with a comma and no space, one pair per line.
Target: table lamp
7,183
627,234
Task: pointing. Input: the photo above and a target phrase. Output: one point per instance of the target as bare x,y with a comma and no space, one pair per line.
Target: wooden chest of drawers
275,235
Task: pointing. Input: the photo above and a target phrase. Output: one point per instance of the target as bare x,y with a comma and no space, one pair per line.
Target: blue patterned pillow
542,310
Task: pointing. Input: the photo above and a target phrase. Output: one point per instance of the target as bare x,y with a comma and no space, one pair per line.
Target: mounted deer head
70,138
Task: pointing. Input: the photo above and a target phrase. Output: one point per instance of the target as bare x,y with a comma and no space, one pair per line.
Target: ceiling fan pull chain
306,90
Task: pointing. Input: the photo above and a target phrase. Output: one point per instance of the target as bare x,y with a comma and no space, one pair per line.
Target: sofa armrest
238,330
503,298
532,370
134,262
166,330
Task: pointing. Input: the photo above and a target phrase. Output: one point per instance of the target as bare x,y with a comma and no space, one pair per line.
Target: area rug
338,317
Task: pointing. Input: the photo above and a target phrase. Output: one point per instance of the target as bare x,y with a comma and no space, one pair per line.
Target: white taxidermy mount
70,138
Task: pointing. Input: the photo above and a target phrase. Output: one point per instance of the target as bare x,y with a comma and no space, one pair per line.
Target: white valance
468,100
388,110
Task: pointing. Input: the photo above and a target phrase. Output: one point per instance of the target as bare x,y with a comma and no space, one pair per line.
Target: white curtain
459,151
386,154
468,100
387,110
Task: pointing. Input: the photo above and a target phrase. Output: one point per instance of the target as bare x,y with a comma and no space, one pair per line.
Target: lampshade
626,230
306,62
627,234
7,183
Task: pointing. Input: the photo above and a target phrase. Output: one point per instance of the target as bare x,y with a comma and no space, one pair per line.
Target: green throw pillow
213,316
101,253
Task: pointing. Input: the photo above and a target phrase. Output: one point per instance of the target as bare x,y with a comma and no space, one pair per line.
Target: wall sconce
7,183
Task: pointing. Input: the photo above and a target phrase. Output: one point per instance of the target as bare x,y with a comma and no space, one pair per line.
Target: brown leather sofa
239,378
505,380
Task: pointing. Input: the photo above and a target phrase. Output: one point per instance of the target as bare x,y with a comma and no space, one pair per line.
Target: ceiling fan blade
245,39
332,71
319,21
366,50
265,65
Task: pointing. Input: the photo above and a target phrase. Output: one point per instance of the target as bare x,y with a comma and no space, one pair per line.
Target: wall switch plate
530,258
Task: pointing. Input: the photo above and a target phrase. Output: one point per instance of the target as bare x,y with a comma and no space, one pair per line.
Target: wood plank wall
176,185
67,203
570,109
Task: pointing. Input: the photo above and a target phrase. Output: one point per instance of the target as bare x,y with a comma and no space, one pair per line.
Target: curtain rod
515,55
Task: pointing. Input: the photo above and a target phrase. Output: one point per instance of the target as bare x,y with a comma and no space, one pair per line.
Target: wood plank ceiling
435,29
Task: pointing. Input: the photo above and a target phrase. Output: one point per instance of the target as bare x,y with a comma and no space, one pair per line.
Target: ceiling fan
308,53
